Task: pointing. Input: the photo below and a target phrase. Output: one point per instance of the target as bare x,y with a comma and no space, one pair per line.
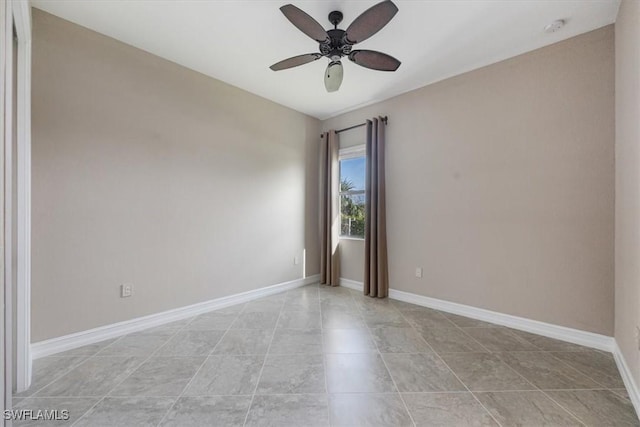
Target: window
352,196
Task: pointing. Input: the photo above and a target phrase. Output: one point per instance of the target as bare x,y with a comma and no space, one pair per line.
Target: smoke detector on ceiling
555,26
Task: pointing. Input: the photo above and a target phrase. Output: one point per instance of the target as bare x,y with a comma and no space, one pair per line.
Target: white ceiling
237,41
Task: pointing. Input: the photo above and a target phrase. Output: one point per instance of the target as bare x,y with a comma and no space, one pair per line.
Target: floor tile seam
299,329
190,320
536,388
246,417
56,378
441,314
259,311
109,345
324,362
455,325
298,306
428,345
145,332
141,355
529,351
145,360
351,297
320,353
581,349
269,354
172,336
57,397
451,352
565,409
523,390
514,370
146,396
445,353
472,338
193,356
209,329
444,392
299,311
404,404
616,391
88,410
540,348
576,369
96,356
459,379
537,350
302,301
86,396
280,394
485,408
125,397
455,375
613,390
511,332
194,375
198,370
493,325
527,391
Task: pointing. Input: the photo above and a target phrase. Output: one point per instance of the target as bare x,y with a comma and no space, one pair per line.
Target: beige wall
501,185
352,259
627,47
147,173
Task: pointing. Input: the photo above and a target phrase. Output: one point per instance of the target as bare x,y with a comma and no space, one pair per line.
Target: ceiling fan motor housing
336,45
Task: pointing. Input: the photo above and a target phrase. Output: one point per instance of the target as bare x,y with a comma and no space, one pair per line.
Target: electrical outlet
418,271
125,291
296,260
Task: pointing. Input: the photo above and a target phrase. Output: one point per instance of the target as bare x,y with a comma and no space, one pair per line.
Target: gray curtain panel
376,273
329,210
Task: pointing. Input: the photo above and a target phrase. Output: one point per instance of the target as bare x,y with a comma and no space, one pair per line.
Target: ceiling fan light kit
336,43
333,76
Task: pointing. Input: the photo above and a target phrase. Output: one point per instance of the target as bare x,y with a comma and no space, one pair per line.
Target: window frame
348,153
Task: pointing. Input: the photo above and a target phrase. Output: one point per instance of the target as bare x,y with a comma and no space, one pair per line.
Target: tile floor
319,356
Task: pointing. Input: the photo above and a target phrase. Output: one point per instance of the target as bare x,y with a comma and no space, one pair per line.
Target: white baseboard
575,336
91,336
629,381
351,284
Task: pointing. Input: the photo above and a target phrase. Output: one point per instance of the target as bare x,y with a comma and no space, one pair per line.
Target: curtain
376,274
329,210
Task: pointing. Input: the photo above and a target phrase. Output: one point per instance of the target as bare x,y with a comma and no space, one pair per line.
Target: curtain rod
384,119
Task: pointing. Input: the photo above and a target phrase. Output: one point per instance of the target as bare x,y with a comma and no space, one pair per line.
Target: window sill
351,238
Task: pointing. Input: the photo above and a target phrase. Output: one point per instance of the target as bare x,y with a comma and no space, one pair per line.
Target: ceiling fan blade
305,23
295,61
374,60
370,21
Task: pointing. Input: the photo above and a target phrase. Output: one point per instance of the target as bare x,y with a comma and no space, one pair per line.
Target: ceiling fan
336,43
